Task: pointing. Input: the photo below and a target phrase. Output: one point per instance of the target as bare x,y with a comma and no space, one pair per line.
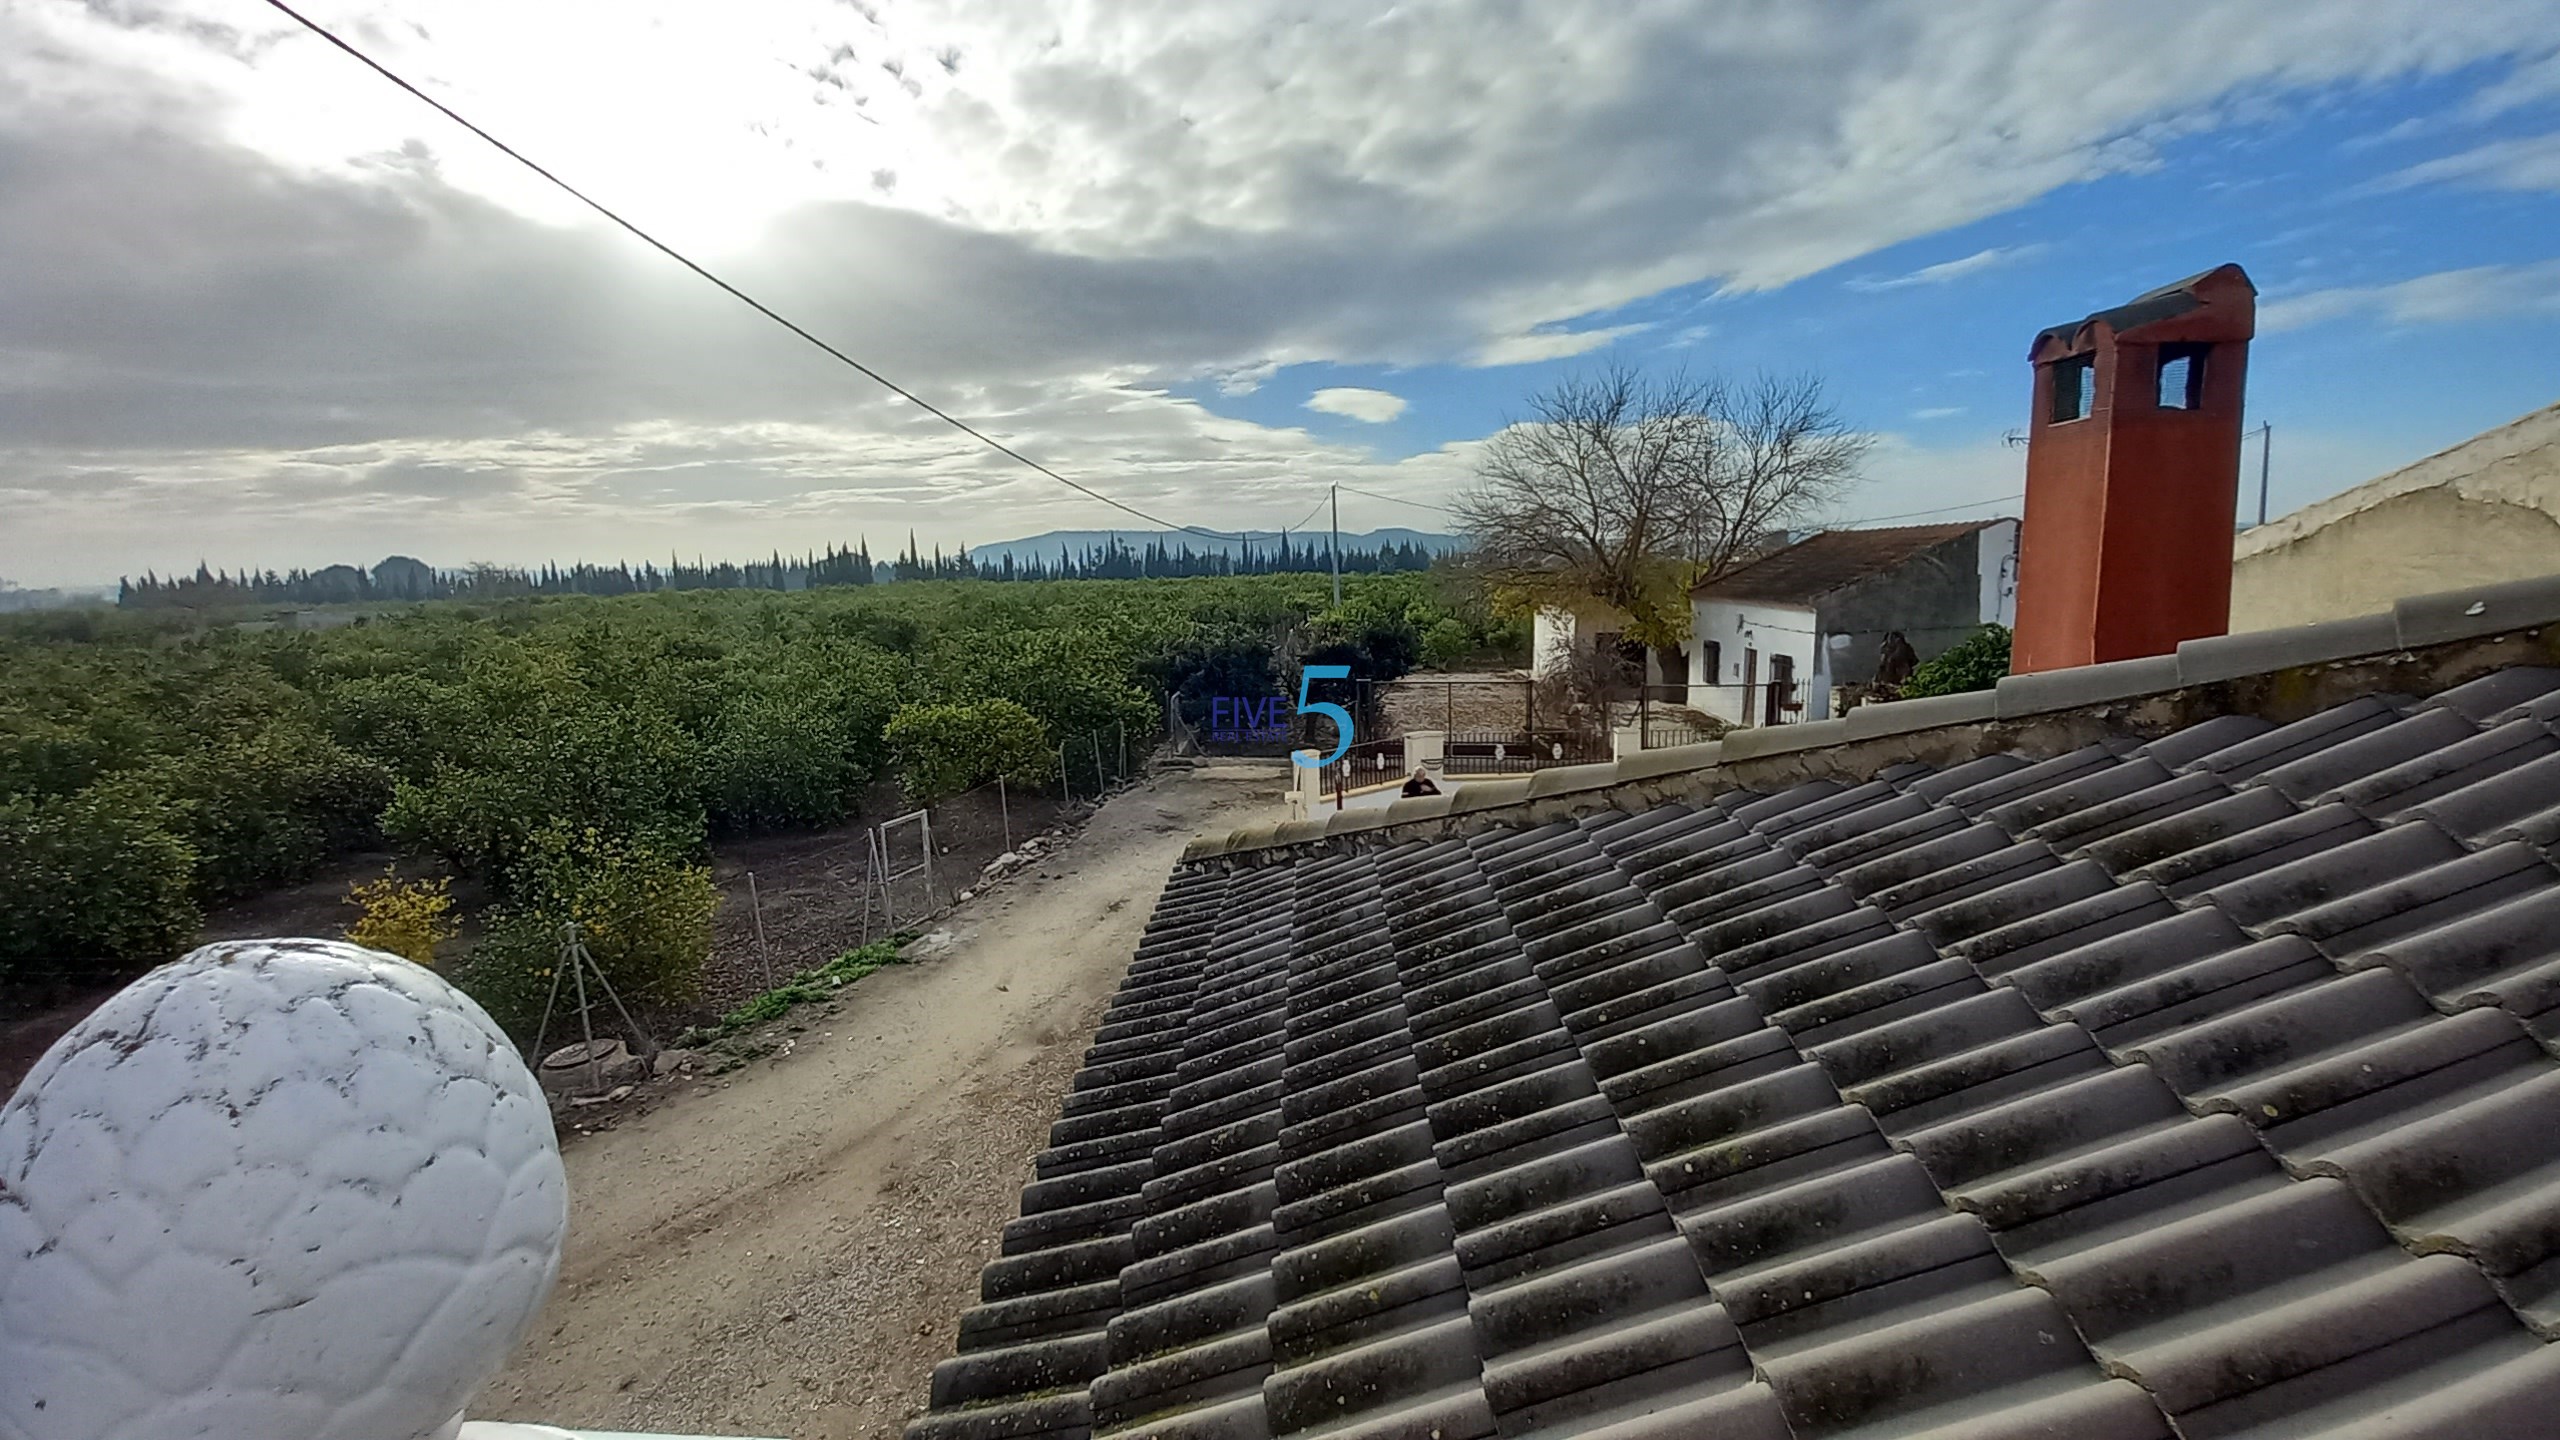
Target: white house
1769,641
1559,630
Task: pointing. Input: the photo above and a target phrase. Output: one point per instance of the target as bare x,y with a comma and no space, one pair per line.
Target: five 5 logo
1341,717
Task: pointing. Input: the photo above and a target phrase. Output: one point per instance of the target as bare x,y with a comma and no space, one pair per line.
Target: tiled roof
2201,1083
2168,302
1819,564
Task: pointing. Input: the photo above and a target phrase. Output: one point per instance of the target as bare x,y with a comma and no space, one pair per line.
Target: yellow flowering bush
407,918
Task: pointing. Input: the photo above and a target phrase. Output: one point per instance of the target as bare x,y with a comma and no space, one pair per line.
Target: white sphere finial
277,1190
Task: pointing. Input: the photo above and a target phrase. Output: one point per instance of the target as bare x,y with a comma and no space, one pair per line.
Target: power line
1398,500
1310,515
751,302
1941,510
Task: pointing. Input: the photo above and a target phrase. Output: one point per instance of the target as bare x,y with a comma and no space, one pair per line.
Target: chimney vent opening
2075,388
2182,377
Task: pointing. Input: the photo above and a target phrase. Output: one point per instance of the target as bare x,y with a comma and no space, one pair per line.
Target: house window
2182,377
1711,661
2075,388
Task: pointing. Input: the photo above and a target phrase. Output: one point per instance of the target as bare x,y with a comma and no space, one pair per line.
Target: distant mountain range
1076,542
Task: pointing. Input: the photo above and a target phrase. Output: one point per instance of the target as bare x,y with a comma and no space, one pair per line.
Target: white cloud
1946,271
1246,379
1937,412
1538,345
2443,297
1377,407
2530,162
2528,83
226,250
1977,478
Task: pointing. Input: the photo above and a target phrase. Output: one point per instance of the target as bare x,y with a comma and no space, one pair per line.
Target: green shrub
802,988
1228,658
1074,680
773,761
1975,663
1448,644
645,916
627,772
95,886
941,750
1376,638
230,760
260,812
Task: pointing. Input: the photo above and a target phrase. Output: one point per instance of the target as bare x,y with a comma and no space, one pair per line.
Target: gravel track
784,1251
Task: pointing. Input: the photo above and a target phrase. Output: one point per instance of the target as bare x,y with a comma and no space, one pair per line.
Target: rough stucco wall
1935,600
2485,510
2413,544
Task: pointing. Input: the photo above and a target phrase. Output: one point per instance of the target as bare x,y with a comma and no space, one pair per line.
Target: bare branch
1629,489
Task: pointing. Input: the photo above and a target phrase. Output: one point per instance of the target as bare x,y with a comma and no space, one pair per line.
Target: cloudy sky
257,307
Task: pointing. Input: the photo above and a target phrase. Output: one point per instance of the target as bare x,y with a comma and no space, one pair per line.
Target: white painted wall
1770,629
1557,628
1998,556
1550,636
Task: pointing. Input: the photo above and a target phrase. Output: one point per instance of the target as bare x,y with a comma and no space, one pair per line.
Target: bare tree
1629,490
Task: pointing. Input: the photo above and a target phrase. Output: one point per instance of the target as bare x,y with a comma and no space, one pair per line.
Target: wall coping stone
2439,634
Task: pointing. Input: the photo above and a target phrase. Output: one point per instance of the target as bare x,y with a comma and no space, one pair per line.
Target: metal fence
1662,732
1371,762
1518,752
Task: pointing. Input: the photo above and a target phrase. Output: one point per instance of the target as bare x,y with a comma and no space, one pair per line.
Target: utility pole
1333,546
2266,450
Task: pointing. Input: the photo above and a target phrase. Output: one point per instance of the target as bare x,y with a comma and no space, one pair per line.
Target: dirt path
784,1252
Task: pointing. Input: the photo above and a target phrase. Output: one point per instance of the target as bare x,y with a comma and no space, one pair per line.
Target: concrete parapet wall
2426,644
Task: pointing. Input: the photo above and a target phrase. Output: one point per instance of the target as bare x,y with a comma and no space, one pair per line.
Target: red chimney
2133,472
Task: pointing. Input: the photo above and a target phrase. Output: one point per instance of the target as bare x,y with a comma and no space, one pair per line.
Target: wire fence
1090,765
793,907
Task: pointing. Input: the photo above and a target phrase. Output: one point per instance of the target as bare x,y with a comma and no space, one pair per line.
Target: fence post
1004,811
1124,745
1099,784
755,904
880,868
1065,787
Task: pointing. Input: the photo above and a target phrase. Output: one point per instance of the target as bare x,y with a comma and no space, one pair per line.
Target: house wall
1771,629
2485,510
1936,598
1557,628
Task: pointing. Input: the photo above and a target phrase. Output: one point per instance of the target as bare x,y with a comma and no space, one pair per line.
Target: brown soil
785,1251
811,885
